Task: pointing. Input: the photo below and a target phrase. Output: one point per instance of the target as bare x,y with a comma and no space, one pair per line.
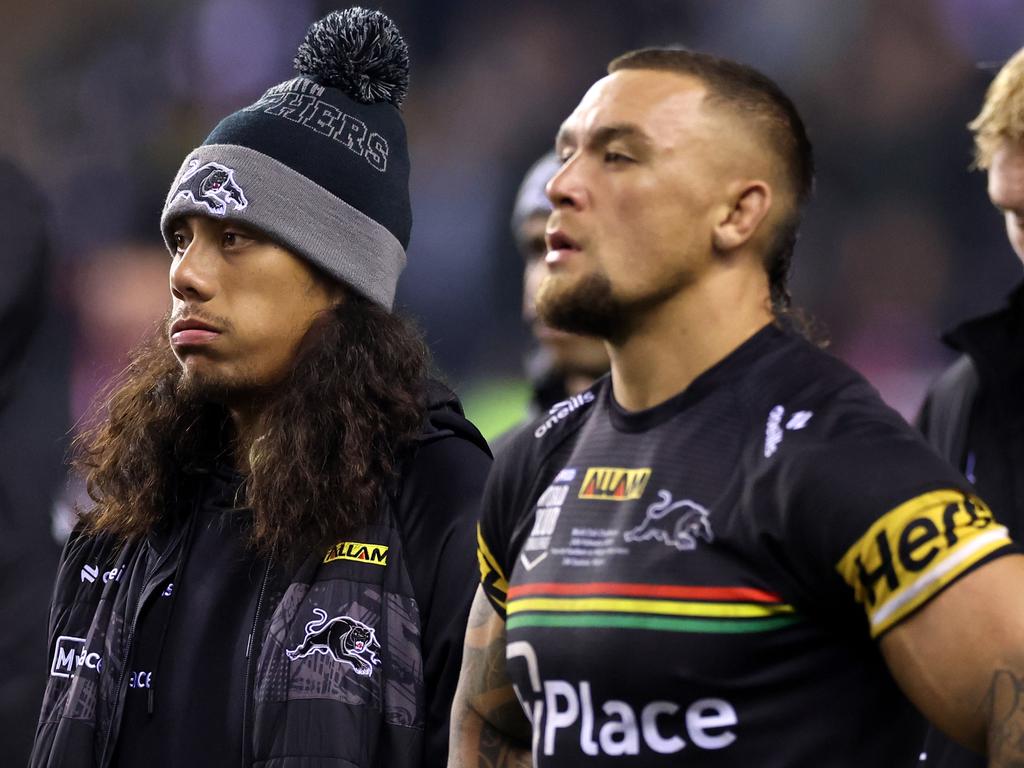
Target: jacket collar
995,342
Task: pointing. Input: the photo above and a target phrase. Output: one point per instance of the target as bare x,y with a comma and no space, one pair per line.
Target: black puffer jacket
301,709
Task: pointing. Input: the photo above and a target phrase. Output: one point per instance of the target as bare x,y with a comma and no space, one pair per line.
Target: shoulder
793,366
87,560
813,398
948,400
825,431
443,473
535,439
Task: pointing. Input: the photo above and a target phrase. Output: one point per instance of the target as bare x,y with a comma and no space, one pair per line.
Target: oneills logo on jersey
614,483
372,554
561,410
915,550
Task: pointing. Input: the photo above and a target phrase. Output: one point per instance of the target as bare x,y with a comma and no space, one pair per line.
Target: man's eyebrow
627,131
607,134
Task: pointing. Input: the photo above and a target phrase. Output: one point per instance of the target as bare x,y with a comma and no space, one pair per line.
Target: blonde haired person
974,413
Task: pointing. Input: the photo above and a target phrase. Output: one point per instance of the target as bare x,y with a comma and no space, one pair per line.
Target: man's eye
616,157
180,242
233,239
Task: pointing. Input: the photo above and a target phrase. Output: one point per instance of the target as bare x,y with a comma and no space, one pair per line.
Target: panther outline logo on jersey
677,524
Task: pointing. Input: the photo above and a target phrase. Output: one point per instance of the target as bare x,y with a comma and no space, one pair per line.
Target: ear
751,201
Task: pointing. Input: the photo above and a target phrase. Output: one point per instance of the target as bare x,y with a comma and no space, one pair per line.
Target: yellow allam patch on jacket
371,554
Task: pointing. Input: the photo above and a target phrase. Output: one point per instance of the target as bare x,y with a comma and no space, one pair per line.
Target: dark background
103,99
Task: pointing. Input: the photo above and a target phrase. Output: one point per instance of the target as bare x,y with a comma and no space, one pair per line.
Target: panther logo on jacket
212,185
344,638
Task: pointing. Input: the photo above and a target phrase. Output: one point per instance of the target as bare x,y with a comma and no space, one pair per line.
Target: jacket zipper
251,654
104,758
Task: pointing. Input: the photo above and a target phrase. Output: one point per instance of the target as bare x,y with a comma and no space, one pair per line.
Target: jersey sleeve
879,521
503,502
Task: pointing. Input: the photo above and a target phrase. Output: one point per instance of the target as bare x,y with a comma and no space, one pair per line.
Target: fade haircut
761,103
1002,115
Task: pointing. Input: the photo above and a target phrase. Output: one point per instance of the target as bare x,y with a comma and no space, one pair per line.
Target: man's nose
192,273
566,187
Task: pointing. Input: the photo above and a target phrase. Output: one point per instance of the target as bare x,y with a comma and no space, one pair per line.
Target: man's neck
677,341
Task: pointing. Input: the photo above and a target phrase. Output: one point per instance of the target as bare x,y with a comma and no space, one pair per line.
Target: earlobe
751,202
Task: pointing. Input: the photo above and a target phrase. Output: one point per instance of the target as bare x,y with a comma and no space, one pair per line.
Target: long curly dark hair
330,436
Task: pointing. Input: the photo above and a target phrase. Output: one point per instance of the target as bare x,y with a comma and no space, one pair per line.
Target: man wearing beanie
559,364
278,562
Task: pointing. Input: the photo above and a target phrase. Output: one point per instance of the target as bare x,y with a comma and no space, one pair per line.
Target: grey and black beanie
319,163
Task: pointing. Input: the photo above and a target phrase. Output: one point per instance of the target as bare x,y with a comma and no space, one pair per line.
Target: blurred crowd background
103,99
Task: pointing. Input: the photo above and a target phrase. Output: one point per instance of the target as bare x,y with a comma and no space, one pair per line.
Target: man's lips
560,246
189,331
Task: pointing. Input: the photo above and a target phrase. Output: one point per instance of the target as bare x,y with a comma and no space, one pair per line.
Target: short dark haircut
763,104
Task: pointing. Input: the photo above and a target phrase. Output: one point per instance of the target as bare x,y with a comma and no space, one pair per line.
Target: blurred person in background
735,553
33,423
559,364
974,413
131,278
278,563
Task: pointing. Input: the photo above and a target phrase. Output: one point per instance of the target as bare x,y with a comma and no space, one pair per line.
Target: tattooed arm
489,729
960,659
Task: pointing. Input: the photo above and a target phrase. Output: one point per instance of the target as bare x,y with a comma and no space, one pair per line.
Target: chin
205,382
581,305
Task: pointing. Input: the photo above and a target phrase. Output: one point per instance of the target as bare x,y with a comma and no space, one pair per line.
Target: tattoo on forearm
489,729
1004,706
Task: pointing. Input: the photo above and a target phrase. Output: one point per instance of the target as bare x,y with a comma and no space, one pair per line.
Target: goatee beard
585,306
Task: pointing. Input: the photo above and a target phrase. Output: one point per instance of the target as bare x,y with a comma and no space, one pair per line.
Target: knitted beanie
319,163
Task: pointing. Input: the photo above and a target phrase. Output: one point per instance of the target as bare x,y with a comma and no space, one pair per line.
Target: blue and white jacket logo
212,185
70,654
344,638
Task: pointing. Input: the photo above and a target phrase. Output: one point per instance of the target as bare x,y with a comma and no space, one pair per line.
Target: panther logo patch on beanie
212,185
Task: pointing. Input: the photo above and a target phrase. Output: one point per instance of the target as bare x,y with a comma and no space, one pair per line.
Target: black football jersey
703,583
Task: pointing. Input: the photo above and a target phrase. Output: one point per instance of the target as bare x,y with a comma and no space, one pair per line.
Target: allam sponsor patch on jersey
372,554
913,551
659,607
614,483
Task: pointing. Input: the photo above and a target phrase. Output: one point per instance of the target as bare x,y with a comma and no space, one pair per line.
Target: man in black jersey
279,561
730,552
561,364
974,414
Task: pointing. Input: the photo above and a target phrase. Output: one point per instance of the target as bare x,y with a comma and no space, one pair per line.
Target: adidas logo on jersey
561,410
773,430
